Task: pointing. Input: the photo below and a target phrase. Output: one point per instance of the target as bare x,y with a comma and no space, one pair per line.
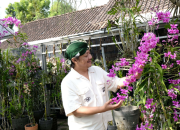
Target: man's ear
73,60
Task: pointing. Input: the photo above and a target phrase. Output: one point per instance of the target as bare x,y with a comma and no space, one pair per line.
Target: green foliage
60,72
99,62
126,22
153,84
29,108
60,7
50,66
16,108
29,10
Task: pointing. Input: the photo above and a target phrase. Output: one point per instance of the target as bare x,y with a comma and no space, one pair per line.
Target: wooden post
46,52
61,47
54,49
100,43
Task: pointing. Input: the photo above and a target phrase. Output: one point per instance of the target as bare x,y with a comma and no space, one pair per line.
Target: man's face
85,60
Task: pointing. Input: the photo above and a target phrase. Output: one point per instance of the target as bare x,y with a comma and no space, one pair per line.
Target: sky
85,4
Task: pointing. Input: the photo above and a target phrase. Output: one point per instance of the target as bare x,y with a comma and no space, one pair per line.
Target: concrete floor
62,124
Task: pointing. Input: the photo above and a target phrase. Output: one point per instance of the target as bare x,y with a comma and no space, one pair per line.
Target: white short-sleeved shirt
78,91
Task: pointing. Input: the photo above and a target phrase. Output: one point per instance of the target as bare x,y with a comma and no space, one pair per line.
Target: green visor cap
76,48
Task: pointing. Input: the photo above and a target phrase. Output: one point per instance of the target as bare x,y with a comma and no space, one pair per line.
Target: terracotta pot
28,127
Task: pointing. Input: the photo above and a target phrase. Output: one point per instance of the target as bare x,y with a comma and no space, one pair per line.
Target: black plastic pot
46,124
38,114
0,120
18,124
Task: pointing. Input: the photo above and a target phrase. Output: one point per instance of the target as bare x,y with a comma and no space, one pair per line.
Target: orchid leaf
142,85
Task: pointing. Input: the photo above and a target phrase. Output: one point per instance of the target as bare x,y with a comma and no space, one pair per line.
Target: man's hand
84,111
121,82
138,75
108,106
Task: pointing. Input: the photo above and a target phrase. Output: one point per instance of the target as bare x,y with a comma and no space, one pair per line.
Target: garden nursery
31,71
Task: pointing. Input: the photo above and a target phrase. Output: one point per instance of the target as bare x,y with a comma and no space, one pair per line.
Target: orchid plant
7,74
128,16
22,75
61,71
158,93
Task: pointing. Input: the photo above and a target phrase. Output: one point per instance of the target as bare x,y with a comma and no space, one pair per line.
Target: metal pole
43,58
104,60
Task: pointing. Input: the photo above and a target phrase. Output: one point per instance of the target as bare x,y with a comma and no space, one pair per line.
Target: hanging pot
46,124
29,127
18,124
127,117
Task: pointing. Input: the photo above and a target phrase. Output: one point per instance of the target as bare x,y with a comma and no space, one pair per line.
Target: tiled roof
80,21
62,25
146,6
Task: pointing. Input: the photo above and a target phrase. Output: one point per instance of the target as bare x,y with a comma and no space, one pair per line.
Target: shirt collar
91,69
77,75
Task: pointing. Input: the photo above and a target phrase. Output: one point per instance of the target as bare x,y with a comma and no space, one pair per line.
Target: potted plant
60,72
46,122
157,95
34,72
32,125
128,36
127,24
6,72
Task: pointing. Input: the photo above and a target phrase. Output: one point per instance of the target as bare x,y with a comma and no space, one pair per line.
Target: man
85,91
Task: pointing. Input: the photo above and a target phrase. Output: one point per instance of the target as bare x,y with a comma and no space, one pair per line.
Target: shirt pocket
101,87
86,96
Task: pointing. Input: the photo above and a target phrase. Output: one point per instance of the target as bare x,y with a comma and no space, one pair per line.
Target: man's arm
83,110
